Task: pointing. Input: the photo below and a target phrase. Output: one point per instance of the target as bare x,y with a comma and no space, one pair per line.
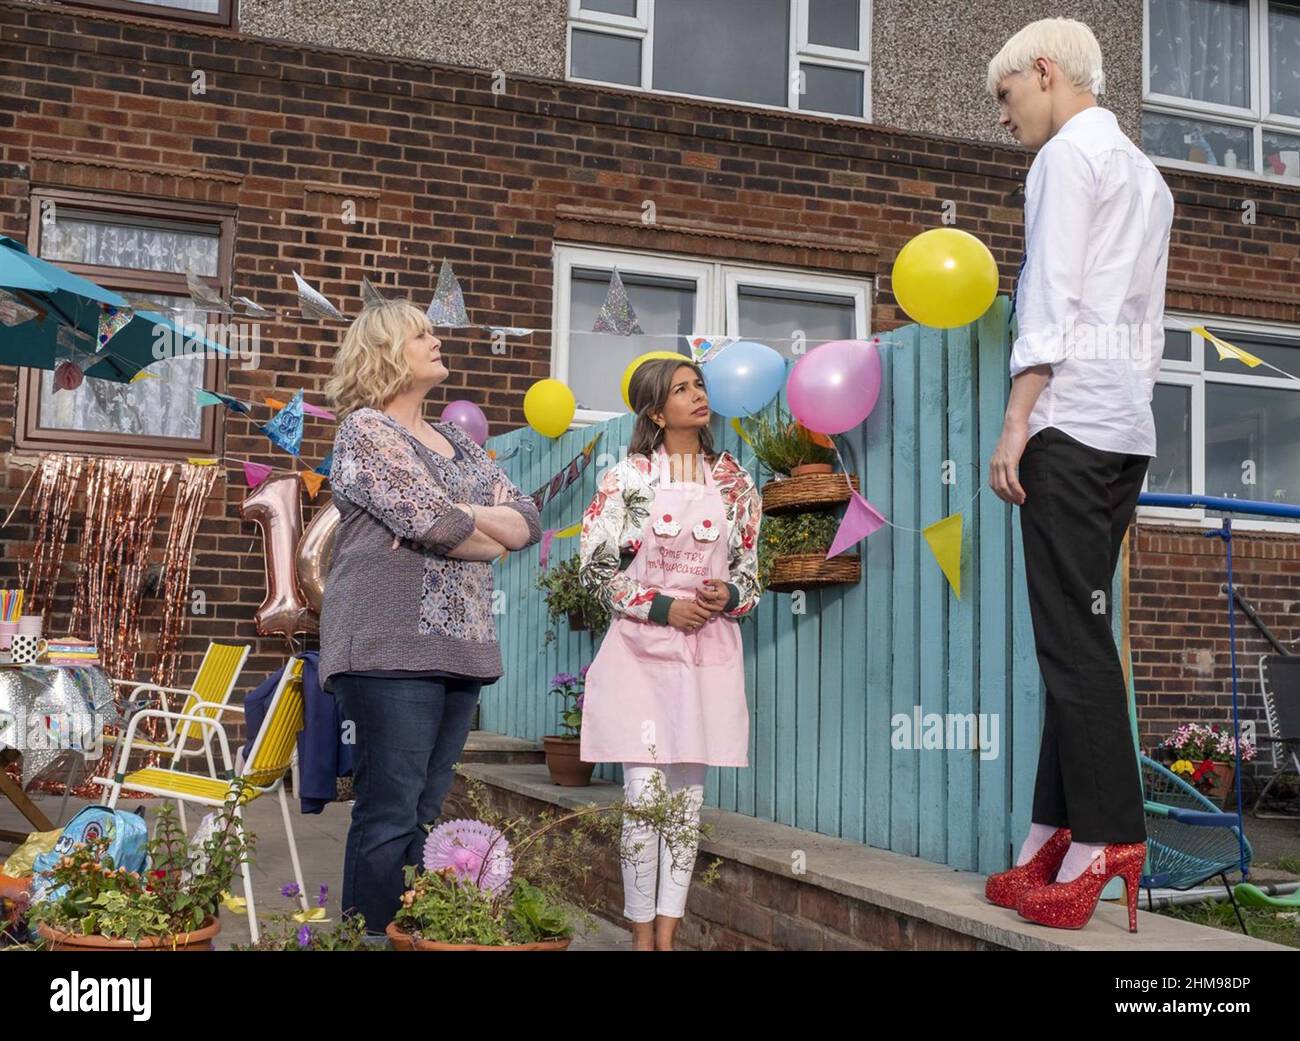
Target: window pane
623,7
1284,58
1281,156
1200,49
776,316
1171,470
606,58
79,238
1197,141
597,360
834,23
825,89
1285,354
1178,345
734,49
1252,428
206,6
162,407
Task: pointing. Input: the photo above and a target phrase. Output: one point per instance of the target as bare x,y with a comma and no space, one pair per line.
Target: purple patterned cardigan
393,599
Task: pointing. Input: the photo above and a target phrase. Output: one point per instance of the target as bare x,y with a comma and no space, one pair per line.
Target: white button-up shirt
1090,302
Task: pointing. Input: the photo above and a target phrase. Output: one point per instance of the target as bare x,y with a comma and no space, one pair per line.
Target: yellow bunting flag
735,425
1227,350
144,375
236,904
944,537
570,531
313,481
195,460
314,914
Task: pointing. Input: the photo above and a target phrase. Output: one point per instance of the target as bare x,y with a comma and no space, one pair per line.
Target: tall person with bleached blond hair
1076,441
407,632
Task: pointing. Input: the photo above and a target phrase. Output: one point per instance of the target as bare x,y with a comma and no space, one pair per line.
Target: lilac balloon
834,387
469,417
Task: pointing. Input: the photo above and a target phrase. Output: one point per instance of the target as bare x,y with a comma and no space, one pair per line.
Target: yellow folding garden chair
268,761
209,697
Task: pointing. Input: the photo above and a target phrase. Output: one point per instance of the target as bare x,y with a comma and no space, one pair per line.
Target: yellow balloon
549,406
944,278
635,364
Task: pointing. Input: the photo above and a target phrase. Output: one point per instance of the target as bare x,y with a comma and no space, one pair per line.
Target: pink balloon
469,417
834,387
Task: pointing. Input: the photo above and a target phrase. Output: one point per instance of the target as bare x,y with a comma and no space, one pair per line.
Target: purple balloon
834,387
469,417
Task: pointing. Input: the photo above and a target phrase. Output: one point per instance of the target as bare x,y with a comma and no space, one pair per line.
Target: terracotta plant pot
1222,789
811,468
404,941
564,764
198,940
577,622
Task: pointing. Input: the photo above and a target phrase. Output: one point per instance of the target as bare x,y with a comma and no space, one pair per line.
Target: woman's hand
687,616
713,595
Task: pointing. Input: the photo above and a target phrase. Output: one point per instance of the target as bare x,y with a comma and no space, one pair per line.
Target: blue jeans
409,734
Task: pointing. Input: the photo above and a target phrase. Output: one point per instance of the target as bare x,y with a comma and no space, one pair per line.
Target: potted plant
304,931
172,905
504,883
801,461
563,761
792,553
567,597
1204,755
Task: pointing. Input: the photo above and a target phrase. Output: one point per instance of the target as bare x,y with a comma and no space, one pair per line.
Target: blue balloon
743,379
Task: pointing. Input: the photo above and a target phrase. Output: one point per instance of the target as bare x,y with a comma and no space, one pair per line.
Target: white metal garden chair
268,761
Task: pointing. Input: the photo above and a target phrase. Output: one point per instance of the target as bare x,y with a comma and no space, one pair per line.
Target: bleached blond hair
1068,43
370,368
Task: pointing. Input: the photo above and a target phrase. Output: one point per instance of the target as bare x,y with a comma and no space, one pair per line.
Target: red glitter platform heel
1007,887
1069,905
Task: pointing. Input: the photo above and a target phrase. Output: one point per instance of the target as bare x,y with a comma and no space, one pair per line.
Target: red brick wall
1179,622
439,166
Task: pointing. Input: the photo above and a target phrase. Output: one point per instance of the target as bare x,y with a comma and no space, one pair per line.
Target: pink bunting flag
317,411
255,473
544,547
860,520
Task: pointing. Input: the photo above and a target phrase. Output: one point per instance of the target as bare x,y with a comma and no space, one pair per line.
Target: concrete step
483,746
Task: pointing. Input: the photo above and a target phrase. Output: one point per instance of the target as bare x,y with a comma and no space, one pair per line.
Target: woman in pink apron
669,544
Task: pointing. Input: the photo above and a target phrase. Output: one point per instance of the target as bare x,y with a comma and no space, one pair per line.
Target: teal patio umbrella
62,299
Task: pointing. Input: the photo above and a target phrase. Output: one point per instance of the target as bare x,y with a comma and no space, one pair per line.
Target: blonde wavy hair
370,368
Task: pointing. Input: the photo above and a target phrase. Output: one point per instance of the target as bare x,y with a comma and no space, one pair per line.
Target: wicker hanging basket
807,492
792,571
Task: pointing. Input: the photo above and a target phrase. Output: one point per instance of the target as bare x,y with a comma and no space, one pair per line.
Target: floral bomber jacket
613,524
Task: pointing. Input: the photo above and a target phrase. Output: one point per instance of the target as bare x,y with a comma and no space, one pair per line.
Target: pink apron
653,685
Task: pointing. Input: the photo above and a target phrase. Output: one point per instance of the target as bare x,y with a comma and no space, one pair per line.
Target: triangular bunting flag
740,431
312,302
253,310
144,375
324,468
195,460
285,428
13,311
1227,350
944,537
312,480
204,296
234,404
860,520
274,403
203,398
370,296
448,304
616,314
508,330
112,320
317,411
706,348
255,473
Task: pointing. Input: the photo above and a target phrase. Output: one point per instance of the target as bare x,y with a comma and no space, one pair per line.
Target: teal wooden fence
825,685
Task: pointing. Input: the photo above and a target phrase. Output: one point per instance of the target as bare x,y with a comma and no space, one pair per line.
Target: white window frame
1194,374
800,52
1256,118
717,304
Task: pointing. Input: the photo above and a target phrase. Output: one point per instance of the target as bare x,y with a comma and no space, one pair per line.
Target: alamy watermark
236,341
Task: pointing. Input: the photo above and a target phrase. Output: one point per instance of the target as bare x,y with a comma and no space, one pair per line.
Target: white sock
1077,859
1034,841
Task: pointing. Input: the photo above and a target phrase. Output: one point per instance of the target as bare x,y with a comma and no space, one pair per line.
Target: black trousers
1078,504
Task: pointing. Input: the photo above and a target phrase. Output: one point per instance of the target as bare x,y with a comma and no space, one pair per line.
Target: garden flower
289,889
304,935
324,892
